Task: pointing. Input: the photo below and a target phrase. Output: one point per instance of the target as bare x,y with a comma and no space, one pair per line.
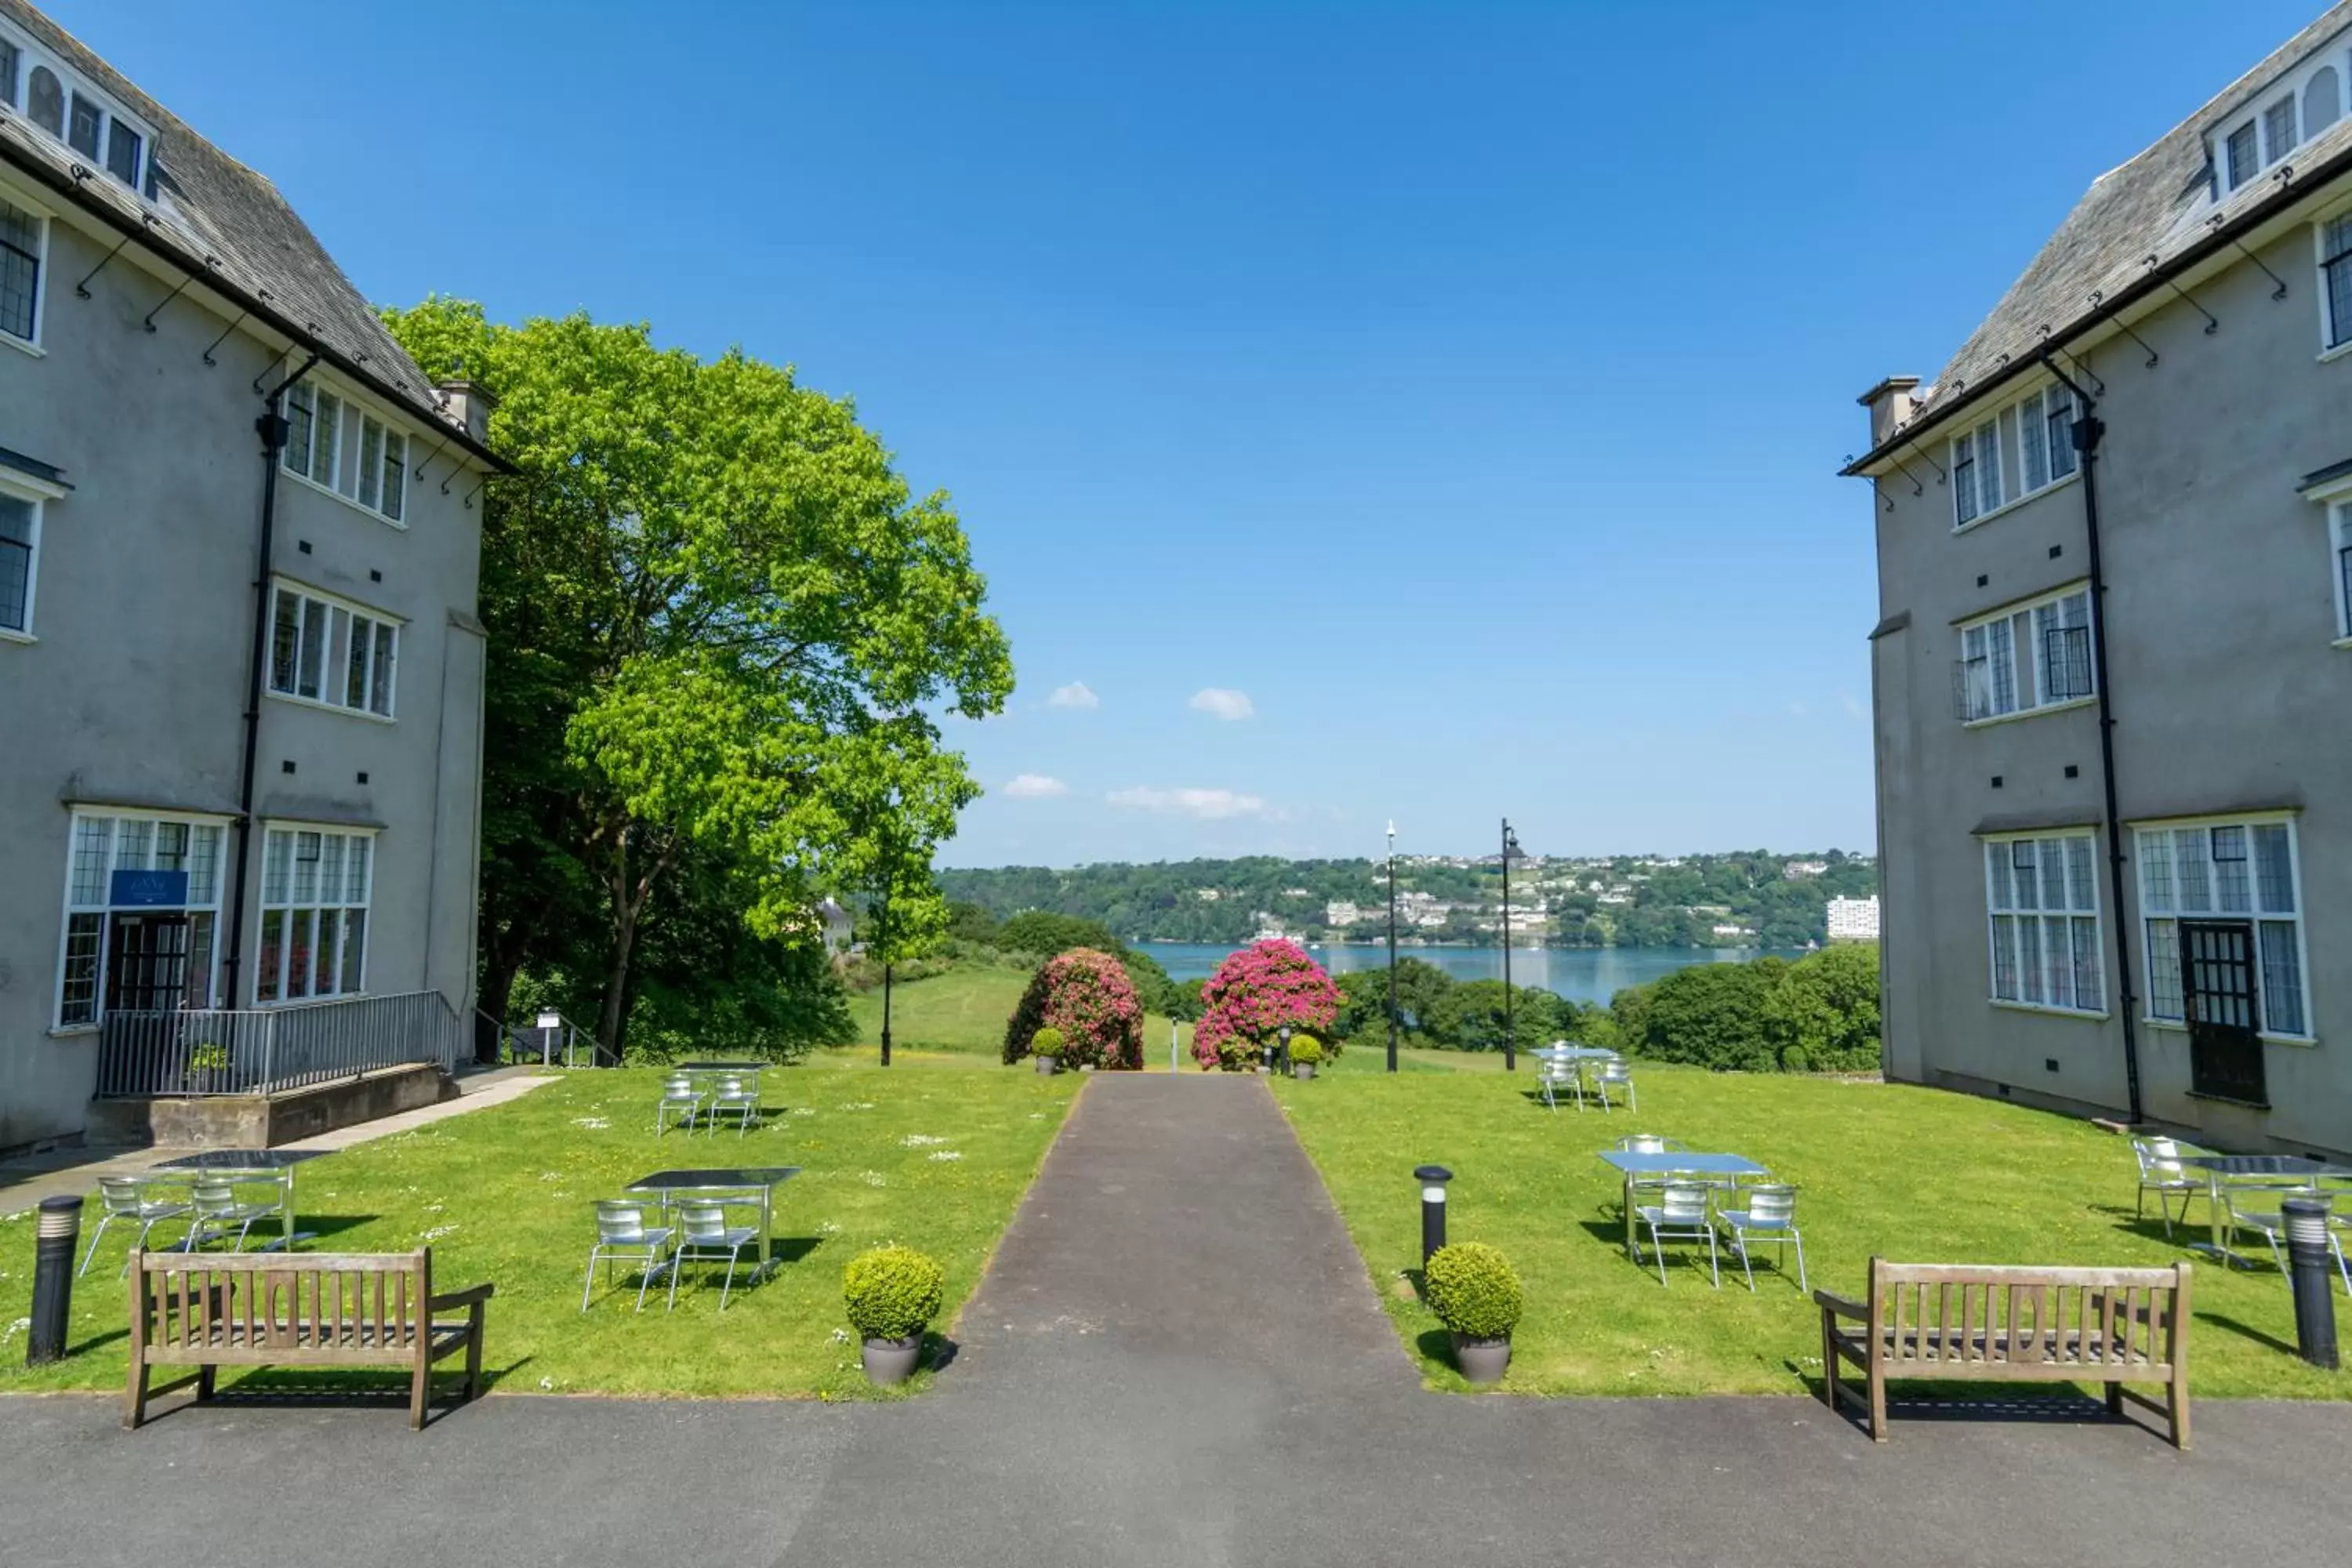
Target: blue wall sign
149,891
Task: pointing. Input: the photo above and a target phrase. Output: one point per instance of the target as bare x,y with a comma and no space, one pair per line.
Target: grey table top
1575,1053
730,1179
241,1159
1672,1164
2264,1165
724,1067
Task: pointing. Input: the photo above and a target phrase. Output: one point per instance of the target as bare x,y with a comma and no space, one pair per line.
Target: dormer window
2298,110
73,112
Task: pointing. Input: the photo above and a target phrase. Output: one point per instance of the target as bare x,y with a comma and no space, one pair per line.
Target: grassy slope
1911,1174
511,1186
965,1010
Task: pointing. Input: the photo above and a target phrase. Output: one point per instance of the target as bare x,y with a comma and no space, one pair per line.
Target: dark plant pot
1302,1070
889,1362
1482,1361
1049,1066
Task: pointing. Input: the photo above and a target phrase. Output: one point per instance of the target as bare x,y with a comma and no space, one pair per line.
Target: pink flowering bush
1252,994
1087,997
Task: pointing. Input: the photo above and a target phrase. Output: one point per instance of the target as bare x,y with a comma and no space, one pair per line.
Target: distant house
1340,912
837,926
1732,930
1797,870
1853,919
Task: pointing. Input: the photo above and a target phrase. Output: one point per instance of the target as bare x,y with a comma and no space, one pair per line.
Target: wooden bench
325,1308
1958,1322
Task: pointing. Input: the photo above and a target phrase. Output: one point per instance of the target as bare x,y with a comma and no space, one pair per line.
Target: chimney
1890,403
469,408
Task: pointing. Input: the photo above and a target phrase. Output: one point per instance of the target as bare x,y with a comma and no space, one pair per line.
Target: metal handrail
266,1050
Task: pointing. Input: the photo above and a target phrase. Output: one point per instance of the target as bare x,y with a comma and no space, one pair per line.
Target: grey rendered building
2113,673
233,775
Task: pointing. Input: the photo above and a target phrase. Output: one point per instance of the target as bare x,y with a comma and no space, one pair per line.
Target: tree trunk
628,908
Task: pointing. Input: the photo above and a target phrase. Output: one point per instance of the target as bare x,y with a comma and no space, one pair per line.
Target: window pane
2274,869
314,648
285,640
2232,888
300,930
2004,667
204,865
306,867
2034,442
2282,998
7,73
2029,959
355,687
2054,874
123,154
322,446
371,465
331,866
2023,864
2240,156
272,957
330,925
2321,101
355,886
275,861
380,693
339,638
2163,969
2196,887
2278,129
93,840
1963,481
299,420
1998,875
47,101
2083,891
77,994
132,835
198,991
170,846
15,561
2058,424
354,949
395,473
2004,957
2057,947
20,269
1988,468
82,131
2090,979
2156,871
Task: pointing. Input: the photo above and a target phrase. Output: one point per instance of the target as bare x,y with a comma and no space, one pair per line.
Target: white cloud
1224,702
1076,694
1209,804
1853,706
1035,786
1798,710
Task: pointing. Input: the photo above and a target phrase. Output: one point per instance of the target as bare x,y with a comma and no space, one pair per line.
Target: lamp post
1510,848
1392,1008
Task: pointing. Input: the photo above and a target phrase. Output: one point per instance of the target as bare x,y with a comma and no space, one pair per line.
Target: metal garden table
1721,1167
721,1183
2273,1171
243,1165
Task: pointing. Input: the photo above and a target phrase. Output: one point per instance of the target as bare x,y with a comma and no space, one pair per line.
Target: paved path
1176,1360
24,1181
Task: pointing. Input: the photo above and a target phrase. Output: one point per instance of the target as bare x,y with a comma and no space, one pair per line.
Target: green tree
707,584
1824,1015
1040,935
1713,1015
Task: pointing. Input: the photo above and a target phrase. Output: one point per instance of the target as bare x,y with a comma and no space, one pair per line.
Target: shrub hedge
1086,996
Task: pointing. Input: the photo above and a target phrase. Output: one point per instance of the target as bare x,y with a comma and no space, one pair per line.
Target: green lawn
966,1009
936,1158
1911,1174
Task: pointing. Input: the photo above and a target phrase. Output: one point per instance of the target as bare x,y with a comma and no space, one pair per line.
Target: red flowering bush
1087,997
1252,994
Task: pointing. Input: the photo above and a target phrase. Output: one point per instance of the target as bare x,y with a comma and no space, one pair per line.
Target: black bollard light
1282,1056
2313,1264
53,1253
1432,1180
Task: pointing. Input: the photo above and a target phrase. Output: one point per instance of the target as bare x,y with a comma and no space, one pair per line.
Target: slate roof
2160,204
219,218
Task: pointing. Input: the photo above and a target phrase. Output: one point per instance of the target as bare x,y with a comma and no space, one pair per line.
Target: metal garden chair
704,1236
1614,1075
1555,1075
2161,1172
734,1094
2268,1224
218,1208
1679,1215
679,1097
1649,1143
623,1235
127,1198
1770,1216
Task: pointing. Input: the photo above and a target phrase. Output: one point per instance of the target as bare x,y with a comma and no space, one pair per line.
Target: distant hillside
1746,899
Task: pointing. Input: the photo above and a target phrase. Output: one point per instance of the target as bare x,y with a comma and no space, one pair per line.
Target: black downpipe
2088,430
271,427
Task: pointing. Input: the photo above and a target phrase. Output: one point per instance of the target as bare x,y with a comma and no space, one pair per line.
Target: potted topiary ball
891,1293
1045,1044
1305,1051
1471,1288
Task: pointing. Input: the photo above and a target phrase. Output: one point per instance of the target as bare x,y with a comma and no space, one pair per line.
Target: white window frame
30,54
103,909
356,421
2335,337
2164,905
2339,527
334,672
26,487
282,845
2032,975
45,216
2292,92
2033,661
1999,437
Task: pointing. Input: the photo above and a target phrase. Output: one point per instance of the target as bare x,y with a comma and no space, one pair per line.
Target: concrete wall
134,691
2227,694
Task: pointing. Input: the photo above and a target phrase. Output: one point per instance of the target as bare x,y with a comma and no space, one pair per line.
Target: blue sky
1370,411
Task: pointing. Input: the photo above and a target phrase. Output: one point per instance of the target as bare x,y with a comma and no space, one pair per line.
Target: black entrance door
2225,1015
147,963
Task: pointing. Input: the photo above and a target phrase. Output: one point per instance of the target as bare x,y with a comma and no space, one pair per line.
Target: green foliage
891,1292
721,630
1824,1012
1363,1004
1712,1015
209,1056
1472,1289
1305,1050
1045,1042
1086,997
968,922
1818,1015
1040,935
